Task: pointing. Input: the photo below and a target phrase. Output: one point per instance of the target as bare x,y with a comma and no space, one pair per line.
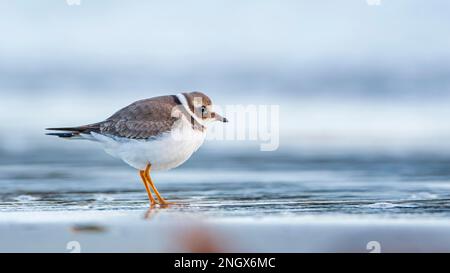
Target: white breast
165,152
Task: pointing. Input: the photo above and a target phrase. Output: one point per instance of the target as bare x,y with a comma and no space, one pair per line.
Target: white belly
163,153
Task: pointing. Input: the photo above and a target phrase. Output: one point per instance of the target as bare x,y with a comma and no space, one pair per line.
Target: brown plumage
142,119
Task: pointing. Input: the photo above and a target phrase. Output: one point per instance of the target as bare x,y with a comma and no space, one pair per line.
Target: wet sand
165,230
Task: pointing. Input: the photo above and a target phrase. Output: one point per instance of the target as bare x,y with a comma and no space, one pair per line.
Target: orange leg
149,180
144,180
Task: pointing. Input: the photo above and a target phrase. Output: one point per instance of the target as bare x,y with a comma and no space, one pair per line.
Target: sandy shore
162,231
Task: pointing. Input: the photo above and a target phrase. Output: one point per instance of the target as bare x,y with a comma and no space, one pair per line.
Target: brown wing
142,119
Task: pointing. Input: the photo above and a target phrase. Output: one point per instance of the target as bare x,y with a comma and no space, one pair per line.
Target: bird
158,133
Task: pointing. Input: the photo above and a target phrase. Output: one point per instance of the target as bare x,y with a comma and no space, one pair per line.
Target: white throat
185,104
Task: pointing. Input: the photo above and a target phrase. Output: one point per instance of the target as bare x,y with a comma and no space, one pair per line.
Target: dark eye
204,110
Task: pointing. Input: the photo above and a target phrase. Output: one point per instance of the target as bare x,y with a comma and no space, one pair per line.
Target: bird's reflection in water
156,208
151,211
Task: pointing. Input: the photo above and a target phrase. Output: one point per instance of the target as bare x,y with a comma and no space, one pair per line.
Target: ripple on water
25,198
103,198
387,205
422,195
357,186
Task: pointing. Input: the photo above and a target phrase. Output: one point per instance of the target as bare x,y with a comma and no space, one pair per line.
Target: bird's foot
166,204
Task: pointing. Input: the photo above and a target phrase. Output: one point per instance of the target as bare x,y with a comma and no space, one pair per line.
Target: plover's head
202,106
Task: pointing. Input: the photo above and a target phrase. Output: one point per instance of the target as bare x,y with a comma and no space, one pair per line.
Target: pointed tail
63,135
71,132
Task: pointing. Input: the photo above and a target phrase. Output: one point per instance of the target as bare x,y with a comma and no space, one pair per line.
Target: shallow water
233,184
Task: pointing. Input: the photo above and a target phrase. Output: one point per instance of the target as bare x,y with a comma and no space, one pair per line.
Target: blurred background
345,74
360,86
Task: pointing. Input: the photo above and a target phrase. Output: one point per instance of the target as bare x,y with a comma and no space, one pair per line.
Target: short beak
220,118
